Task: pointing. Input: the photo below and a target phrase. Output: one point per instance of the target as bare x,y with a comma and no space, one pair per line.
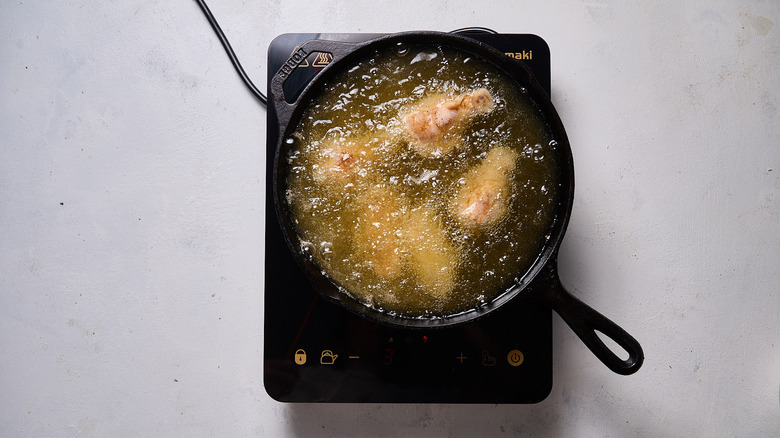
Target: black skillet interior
585,321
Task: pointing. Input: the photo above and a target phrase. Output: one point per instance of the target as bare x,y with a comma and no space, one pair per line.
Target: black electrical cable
240,70
260,96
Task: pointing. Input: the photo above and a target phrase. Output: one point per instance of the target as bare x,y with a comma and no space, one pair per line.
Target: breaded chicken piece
429,124
343,160
378,233
397,240
433,258
483,198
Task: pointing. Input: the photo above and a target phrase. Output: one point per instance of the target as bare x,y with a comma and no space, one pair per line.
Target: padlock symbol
300,357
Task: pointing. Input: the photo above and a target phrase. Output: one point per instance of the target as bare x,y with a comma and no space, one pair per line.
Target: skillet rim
344,54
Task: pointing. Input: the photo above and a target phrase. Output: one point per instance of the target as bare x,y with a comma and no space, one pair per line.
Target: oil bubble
401,49
307,247
326,250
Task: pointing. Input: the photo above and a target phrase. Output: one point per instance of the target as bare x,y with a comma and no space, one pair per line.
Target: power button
515,358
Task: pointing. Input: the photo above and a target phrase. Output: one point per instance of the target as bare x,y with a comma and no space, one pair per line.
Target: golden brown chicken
432,256
482,199
399,241
432,124
343,160
378,233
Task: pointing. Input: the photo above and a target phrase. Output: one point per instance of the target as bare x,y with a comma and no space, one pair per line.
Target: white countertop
132,211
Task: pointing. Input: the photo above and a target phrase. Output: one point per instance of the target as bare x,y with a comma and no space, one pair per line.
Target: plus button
461,357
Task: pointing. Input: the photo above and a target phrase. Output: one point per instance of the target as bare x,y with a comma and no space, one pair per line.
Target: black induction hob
315,351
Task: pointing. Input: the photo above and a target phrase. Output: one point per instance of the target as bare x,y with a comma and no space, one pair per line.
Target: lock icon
300,357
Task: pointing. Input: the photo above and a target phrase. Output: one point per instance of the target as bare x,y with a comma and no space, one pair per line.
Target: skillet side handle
284,109
585,322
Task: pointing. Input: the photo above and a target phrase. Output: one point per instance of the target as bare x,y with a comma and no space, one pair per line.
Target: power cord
248,82
221,35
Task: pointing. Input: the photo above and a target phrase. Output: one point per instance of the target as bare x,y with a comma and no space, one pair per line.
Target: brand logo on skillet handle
296,58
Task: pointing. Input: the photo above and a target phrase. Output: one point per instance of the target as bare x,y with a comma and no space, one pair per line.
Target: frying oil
379,224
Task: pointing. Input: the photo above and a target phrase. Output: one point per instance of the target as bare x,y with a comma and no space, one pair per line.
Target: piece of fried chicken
482,199
432,256
397,240
430,123
343,160
378,233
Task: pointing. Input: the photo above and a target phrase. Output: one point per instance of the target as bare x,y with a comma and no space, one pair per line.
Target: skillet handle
284,108
585,322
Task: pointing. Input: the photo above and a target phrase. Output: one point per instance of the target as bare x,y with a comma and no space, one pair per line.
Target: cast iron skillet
541,283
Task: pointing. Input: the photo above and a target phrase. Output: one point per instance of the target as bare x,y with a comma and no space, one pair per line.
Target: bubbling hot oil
354,181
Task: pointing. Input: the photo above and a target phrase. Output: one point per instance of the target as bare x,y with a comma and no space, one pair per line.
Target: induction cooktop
315,351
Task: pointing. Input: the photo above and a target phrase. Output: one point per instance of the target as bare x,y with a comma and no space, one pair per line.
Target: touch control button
328,358
300,356
515,358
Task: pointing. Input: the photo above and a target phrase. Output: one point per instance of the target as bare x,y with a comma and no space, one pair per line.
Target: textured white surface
131,217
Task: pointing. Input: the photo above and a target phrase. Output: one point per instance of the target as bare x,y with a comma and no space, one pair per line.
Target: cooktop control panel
316,351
